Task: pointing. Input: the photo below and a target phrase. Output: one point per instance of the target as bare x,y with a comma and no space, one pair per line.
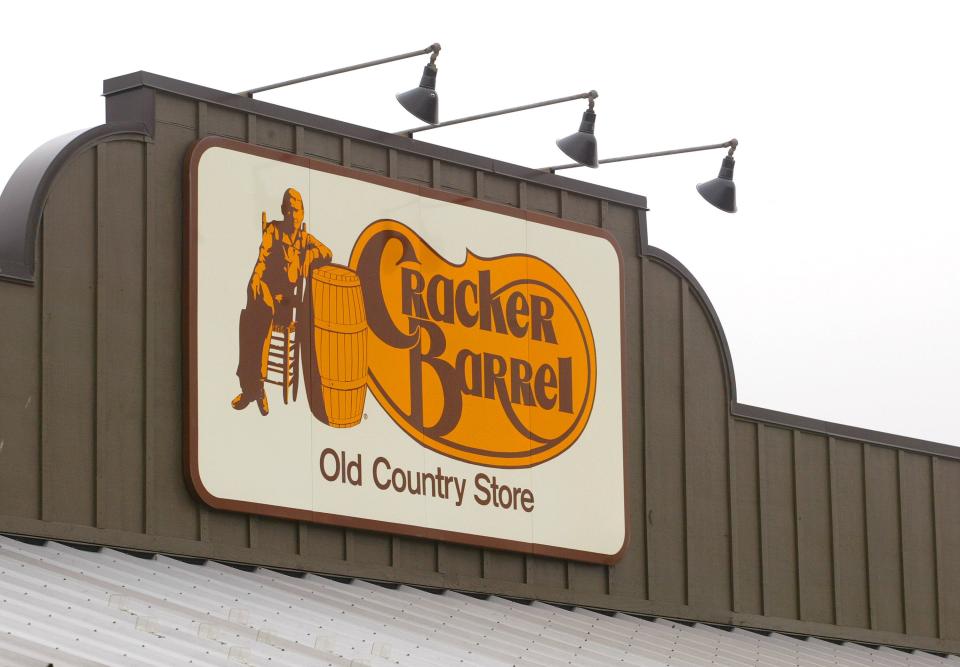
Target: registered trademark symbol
364,415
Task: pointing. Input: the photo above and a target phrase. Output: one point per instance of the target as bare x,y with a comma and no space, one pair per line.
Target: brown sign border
190,408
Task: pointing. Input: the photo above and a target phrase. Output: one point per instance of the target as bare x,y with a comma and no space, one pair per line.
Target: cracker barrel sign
370,353
517,343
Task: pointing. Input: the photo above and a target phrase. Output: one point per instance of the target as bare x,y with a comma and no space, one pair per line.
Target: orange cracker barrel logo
370,353
490,361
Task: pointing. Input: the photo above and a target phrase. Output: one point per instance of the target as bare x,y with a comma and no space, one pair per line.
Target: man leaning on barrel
286,253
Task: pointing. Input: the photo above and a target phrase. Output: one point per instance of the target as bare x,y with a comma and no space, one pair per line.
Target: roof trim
127,82
844,431
785,419
23,198
663,257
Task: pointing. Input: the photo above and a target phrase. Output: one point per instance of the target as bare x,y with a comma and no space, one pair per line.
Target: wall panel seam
41,431
251,128
798,571
393,163
764,537
903,558
98,416
937,546
866,536
147,439
642,497
203,512
684,303
834,531
735,601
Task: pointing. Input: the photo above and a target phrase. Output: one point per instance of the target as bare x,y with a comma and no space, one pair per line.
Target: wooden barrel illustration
339,347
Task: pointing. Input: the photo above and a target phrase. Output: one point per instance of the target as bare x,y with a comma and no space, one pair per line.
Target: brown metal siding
849,522
946,484
919,544
664,484
883,538
778,523
814,535
68,289
171,511
746,535
731,519
706,472
119,326
20,463
629,577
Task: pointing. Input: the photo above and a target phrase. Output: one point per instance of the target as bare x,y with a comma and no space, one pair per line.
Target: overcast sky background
837,282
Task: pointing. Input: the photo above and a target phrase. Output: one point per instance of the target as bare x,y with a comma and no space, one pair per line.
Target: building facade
734,515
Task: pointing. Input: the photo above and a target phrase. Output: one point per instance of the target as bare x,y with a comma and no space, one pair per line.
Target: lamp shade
422,101
581,146
721,191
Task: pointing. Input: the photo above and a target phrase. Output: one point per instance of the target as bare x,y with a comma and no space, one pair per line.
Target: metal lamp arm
590,95
433,49
731,144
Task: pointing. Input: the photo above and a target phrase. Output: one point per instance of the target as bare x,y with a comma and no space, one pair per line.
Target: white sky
837,281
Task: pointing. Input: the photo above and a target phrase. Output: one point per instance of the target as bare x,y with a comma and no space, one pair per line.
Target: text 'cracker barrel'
339,344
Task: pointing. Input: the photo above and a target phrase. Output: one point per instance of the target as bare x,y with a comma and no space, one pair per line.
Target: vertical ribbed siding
20,400
946,494
178,515
918,542
664,484
727,515
746,519
68,357
814,532
706,472
120,335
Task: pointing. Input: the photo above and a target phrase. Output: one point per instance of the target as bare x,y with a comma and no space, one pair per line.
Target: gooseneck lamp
720,191
581,145
421,101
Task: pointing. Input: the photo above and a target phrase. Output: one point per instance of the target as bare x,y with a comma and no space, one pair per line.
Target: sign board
371,353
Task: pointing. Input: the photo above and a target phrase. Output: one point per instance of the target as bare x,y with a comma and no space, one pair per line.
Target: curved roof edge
672,262
23,198
784,419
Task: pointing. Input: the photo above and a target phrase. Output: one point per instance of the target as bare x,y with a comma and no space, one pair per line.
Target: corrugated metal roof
65,606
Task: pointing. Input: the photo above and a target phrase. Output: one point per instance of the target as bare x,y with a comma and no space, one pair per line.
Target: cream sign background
272,464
